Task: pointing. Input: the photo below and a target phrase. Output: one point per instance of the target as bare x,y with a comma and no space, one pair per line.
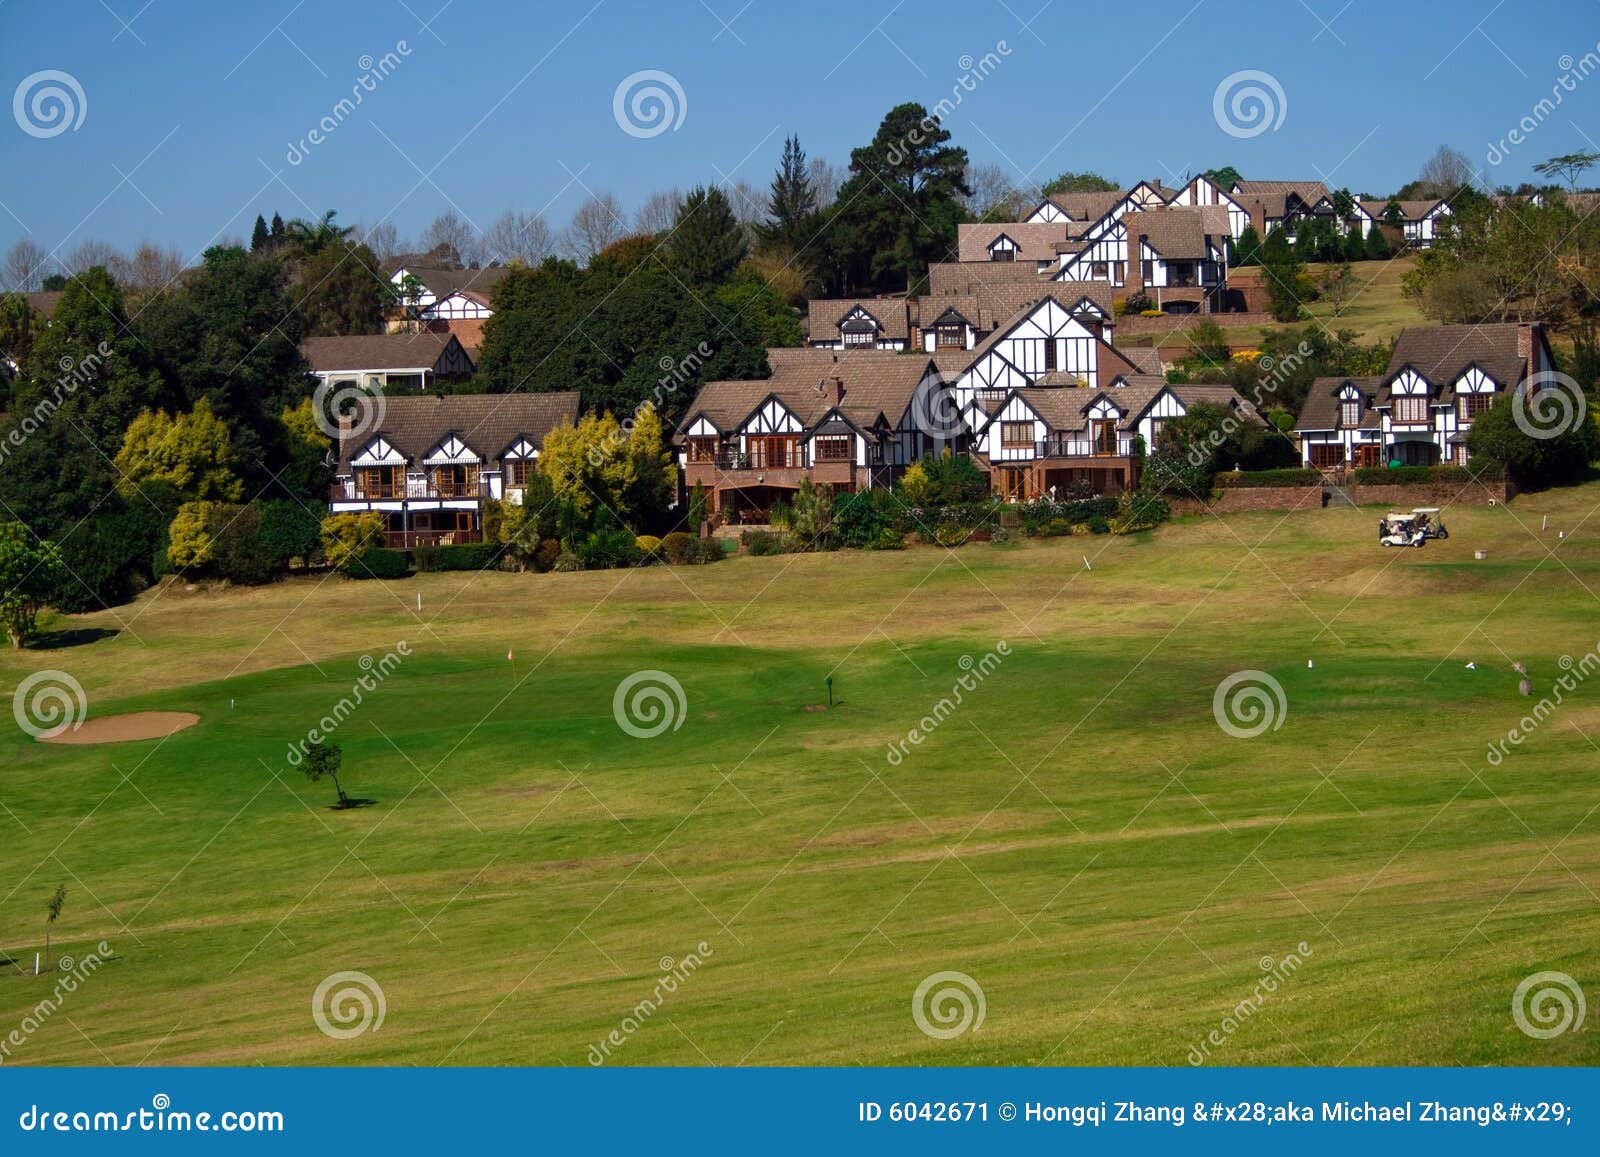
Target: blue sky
191,107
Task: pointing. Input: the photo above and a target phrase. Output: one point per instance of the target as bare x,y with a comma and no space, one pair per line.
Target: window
859,337
1002,255
950,337
382,482
1105,436
1121,270
1411,409
517,472
1350,413
1049,354
1100,270
1148,270
990,397
833,448
1327,455
1156,425
456,481
702,449
1474,404
774,452
1461,455
1016,435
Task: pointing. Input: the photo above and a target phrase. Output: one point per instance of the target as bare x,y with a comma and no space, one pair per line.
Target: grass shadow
345,805
74,637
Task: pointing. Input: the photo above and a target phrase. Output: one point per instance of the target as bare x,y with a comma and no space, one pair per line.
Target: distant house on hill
390,361
1419,410
427,464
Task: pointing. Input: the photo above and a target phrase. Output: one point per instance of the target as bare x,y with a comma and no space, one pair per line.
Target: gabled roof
1417,210
1183,233
378,351
1308,191
444,282
824,315
1084,207
488,423
1035,240
1320,410
807,382
1442,353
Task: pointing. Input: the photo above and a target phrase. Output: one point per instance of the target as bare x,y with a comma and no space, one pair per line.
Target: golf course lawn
1079,836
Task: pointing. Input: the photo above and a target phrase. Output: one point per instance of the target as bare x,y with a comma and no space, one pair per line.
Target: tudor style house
429,463
871,323
454,301
389,361
1052,442
849,421
1418,411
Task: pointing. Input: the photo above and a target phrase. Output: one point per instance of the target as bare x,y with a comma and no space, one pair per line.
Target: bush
609,549
1152,313
289,531
239,552
566,562
349,537
544,558
761,543
708,550
1255,479
1000,534
1416,475
1138,303
677,547
1099,524
378,563
888,539
461,556
950,534
649,545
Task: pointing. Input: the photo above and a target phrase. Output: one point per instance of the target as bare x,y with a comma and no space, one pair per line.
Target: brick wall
1182,322
1432,494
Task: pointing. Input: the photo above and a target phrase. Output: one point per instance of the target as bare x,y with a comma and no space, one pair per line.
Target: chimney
832,390
1525,345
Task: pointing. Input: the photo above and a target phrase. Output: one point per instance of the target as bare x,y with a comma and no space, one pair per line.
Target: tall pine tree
793,199
259,237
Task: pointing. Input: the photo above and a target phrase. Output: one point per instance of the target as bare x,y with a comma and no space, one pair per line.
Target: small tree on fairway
53,910
324,759
31,574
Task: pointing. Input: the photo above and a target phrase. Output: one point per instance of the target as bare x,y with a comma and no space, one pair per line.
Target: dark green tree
323,761
1085,182
1247,250
276,233
341,289
259,237
707,243
1224,178
793,201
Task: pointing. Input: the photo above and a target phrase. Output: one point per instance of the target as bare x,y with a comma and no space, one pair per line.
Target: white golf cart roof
1399,517
1424,510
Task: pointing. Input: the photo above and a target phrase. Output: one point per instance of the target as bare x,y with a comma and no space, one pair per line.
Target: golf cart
1400,530
1431,524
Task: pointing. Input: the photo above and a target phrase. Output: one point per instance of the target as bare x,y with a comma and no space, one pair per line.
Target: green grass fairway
1080,837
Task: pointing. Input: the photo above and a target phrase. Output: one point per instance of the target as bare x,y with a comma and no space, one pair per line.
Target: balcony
410,539
1064,447
358,491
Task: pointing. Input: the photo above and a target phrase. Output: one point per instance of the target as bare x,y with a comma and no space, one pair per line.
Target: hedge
462,556
379,563
1415,475
1254,479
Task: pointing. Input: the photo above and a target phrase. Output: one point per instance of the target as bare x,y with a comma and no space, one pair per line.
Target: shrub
649,545
288,531
1152,313
377,563
763,542
190,543
461,556
709,550
888,539
240,554
566,562
110,557
1000,534
347,537
544,558
1099,524
1254,479
677,547
1056,527
950,534
1138,303
608,549
1414,475
1119,306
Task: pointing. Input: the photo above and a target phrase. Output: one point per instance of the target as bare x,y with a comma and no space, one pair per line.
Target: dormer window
1350,413
1474,404
1002,255
859,337
859,330
949,337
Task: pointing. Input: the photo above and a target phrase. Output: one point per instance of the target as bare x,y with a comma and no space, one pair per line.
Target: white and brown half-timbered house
862,323
846,421
1418,412
427,464
387,361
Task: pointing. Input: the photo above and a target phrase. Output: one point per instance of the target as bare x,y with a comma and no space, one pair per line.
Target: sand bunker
122,728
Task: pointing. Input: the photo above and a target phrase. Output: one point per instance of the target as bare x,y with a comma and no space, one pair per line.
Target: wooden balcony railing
407,539
413,488
1084,448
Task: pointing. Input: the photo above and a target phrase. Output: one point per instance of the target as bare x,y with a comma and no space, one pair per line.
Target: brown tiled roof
1308,191
871,382
1180,234
1087,206
1415,210
824,314
1441,353
379,351
1320,411
1146,359
1035,241
1001,295
962,276
489,423
45,300
444,282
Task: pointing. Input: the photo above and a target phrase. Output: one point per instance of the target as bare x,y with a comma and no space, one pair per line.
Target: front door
1105,437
